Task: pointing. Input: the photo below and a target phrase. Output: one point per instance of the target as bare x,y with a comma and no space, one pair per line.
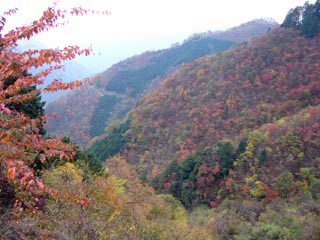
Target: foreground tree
21,134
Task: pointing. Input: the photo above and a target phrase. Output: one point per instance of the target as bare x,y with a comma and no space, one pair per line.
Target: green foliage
186,179
134,82
306,173
225,156
241,147
262,157
190,166
88,163
188,176
33,108
172,174
306,19
111,144
284,183
293,18
293,145
310,21
315,188
172,171
187,195
101,114
178,211
182,177
280,220
273,231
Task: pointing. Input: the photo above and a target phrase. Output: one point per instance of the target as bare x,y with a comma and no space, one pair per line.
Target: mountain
235,135
241,120
106,54
119,88
241,33
225,146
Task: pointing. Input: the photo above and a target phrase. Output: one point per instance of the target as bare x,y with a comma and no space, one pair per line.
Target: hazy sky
143,20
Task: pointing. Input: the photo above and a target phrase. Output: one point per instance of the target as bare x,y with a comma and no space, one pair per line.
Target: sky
134,26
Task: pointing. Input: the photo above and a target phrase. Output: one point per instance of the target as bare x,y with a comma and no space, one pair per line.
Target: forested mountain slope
89,109
222,96
226,147
241,120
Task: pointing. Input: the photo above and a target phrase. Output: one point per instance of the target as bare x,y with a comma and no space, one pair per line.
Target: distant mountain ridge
72,71
240,33
124,83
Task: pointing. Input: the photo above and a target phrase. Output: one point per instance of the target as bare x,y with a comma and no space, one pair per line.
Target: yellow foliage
281,121
178,211
80,205
255,137
306,116
67,173
251,179
257,190
106,190
118,206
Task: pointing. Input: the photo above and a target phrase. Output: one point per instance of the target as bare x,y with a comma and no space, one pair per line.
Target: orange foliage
270,194
245,189
229,184
20,141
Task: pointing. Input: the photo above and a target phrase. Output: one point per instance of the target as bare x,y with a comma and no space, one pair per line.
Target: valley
215,137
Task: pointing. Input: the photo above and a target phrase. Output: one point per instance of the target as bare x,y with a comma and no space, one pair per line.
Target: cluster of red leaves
270,194
20,140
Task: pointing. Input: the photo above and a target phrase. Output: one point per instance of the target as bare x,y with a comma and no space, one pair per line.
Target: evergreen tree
310,21
33,108
241,147
226,157
306,19
293,18
317,9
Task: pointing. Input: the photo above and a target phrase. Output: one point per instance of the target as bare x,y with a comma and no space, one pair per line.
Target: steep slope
221,96
237,132
119,93
272,190
124,83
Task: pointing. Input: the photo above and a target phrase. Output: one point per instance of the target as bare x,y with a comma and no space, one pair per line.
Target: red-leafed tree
21,141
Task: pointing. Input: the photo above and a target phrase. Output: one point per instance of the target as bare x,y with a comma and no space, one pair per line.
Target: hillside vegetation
241,125
117,90
224,96
221,146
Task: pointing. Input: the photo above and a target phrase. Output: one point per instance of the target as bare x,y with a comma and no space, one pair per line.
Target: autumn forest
216,137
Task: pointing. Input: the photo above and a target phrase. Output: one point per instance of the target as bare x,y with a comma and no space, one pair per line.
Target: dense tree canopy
233,137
